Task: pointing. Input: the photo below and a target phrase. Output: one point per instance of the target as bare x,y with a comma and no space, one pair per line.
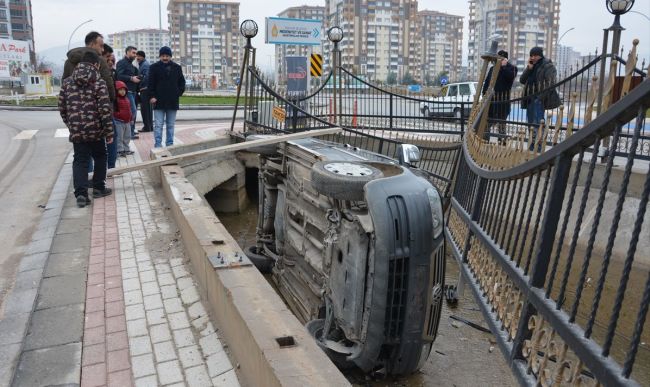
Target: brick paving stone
140,345
156,316
131,284
198,377
169,372
117,340
227,379
133,297
113,282
148,276
150,288
153,301
114,294
114,308
114,270
180,271
148,381
218,363
190,296
120,379
137,327
130,272
94,335
190,356
115,324
159,333
164,351
173,305
95,304
134,312
94,319
210,344
93,354
143,365
168,291
166,279
178,320
118,360
93,375
183,337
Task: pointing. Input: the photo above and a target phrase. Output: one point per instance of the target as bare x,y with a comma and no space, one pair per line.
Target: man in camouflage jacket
86,110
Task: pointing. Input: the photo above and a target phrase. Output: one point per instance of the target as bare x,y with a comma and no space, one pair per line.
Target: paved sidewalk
105,295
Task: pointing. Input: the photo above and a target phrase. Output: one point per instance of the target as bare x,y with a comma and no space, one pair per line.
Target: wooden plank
221,149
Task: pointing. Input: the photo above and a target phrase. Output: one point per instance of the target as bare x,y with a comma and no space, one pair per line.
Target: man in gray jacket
94,43
538,77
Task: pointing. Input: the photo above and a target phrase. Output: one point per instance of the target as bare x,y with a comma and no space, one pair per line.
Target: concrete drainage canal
346,260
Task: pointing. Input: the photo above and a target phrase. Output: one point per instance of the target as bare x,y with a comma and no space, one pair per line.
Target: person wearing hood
123,116
85,108
166,85
538,77
94,43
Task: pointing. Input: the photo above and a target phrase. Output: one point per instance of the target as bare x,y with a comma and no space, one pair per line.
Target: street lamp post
335,35
75,30
616,8
248,29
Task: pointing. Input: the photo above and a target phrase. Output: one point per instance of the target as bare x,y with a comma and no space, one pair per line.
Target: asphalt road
31,157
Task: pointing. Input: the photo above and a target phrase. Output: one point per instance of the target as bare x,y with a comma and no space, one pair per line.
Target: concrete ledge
249,313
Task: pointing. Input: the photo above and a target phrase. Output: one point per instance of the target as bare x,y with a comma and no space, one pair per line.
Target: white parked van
449,101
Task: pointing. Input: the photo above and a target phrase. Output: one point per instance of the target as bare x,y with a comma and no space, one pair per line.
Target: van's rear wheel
343,180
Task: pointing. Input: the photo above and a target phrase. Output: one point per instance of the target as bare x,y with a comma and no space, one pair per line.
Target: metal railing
554,248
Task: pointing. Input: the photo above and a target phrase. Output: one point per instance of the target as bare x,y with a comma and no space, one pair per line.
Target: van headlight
436,211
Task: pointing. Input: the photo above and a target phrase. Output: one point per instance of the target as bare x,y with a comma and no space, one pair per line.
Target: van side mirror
408,154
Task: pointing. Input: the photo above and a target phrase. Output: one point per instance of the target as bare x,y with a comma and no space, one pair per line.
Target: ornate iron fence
554,247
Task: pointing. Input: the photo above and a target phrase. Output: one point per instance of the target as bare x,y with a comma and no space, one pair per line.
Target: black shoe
122,154
82,201
135,137
129,152
100,193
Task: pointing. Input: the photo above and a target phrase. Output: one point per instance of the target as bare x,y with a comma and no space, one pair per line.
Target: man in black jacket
166,85
94,43
128,73
500,106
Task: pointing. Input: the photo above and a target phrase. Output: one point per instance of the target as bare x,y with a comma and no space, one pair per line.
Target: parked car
354,242
449,101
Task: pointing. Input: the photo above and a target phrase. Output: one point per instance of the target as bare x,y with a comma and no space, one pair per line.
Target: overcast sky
54,20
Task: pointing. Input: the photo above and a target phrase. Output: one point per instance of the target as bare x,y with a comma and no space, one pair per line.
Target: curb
19,304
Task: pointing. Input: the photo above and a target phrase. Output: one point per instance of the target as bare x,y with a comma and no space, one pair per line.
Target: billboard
296,76
280,30
14,59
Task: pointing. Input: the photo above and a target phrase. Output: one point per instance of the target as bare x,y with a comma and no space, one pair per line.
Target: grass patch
184,100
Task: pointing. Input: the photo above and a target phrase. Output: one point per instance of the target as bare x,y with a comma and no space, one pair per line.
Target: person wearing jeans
539,95
166,85
168,118
128,73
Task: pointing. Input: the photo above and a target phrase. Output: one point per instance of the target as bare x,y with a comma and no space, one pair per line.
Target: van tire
343,180
263,263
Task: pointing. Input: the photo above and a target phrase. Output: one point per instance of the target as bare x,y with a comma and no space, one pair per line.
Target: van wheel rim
348,169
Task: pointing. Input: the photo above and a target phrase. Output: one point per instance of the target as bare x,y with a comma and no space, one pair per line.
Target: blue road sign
444,80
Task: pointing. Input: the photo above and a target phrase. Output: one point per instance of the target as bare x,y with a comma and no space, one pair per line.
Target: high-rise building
147,40
379,37
16,23
306,12
566,60
205,39
518,26
439,48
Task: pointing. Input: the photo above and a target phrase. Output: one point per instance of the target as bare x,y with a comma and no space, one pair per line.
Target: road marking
62,133
25,135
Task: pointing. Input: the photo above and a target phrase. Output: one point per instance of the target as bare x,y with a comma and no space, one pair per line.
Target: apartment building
567,60
148,40
439,48
205,39
16,23
306,12
379,37
518,26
